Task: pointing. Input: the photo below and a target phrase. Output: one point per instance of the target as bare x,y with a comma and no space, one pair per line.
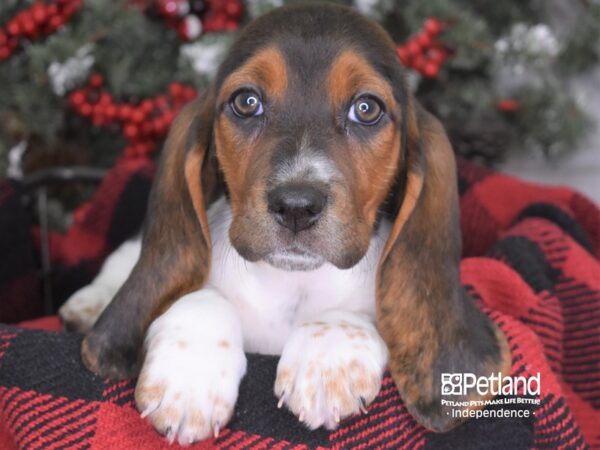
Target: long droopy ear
176,245
428,321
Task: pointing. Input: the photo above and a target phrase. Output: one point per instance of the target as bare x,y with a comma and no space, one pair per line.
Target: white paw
330,369
82,309
187,389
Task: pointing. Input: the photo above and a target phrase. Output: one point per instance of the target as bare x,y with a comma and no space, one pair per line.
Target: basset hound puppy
305,207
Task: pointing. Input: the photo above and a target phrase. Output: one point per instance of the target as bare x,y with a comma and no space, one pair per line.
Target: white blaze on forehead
307,164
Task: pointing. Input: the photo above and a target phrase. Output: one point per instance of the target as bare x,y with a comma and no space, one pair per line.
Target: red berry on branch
105,99
413,48
233,9
38,13
13,28
55,23
424,39
96,80
508,105
130,131
168,118
419,63
125,112
138,116
85,110
111,112
3,38
403,54
77,98
147,106
52,9
433,26
189,93
176,89
431,69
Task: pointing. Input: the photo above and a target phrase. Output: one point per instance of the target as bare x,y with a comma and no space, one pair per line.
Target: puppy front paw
330,370
187,390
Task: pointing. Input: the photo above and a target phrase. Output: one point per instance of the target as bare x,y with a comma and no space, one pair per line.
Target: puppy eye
365,111
247,104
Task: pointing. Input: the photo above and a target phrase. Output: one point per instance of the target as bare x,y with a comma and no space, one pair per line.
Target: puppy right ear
176,248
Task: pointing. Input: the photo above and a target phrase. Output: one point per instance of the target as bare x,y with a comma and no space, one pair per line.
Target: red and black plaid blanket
531,262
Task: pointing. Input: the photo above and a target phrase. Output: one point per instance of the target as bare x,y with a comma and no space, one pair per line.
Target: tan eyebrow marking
350,73
267,69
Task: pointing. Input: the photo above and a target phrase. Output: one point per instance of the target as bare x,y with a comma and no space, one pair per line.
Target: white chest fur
271,301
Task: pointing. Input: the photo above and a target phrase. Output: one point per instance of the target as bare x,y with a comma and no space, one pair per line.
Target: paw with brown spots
331,369
189,382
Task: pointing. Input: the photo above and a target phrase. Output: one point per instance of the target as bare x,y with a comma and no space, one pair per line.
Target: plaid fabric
531,263
115,213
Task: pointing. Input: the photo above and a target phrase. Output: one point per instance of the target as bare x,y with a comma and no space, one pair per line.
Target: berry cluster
144,124
41,19
424,52
193,17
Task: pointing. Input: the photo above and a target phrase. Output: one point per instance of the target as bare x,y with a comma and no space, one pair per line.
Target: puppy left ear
428,321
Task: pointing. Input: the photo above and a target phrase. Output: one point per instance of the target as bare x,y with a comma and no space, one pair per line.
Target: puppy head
307,132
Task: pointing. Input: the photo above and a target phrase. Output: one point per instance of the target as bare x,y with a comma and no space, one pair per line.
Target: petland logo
495,384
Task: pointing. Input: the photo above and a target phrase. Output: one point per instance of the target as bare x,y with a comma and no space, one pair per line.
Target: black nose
296,207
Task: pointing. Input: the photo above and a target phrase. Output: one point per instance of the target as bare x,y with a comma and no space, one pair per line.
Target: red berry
125,112
130,131
403,54
158,127
413,48
431,69
189,93
419,63
147,106
424,39
111,112
98,110
138,116
233,9
3,38
176,89
55,23
433,26
38,12
13,28
105,99
508,105
52,9
168,117
77,98
96,80
29,27
85,110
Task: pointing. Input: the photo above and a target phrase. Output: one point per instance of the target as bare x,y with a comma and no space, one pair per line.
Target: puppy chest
270,302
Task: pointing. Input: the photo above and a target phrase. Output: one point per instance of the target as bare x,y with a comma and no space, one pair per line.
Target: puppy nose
296,207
